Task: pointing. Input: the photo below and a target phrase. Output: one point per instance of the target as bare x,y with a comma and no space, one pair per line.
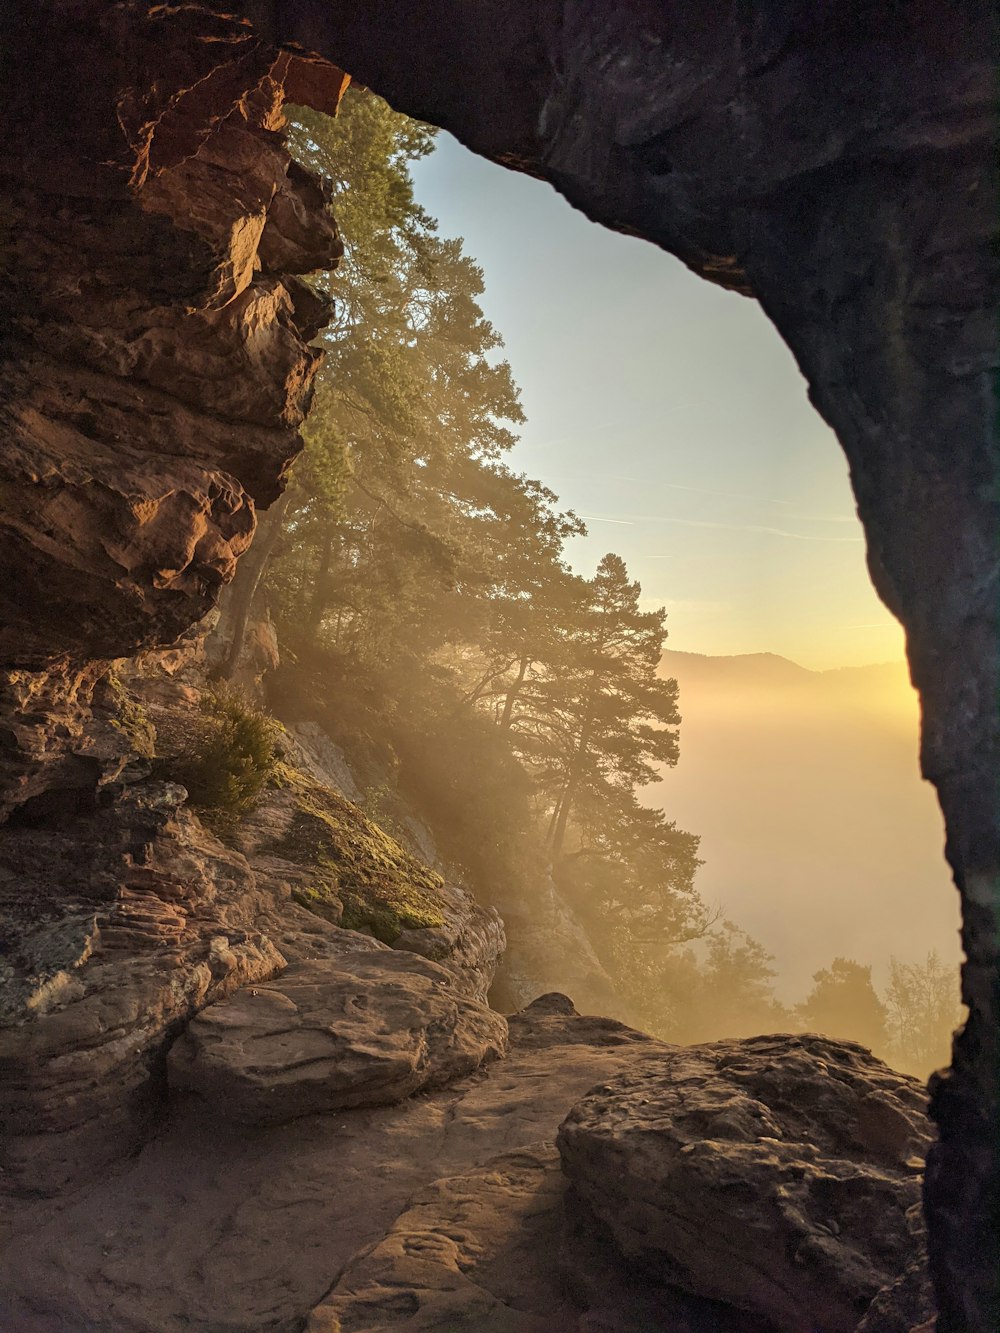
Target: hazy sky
669,414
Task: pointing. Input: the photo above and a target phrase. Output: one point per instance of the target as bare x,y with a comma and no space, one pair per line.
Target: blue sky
669,414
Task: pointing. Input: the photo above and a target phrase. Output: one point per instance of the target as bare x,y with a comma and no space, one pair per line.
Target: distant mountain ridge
771,668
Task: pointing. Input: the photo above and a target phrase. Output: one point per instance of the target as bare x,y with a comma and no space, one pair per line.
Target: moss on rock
382,887
131,718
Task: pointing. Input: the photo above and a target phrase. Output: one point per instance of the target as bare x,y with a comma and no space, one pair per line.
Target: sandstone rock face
371,1029
324,849
471,937
318,756
908,1306
772,1174
471,940
121,916
155,357
138,918
55,749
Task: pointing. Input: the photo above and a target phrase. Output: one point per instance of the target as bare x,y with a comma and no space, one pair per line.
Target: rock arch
836,162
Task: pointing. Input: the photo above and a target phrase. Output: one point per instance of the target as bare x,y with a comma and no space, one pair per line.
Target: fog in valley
817,832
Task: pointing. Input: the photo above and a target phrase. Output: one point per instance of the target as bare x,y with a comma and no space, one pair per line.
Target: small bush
227,757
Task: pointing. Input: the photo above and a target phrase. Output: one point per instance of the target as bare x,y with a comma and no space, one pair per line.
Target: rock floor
224,1228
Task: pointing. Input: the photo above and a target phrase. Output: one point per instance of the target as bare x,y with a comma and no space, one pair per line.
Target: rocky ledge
123,916
373,1029
775,1175
798,1160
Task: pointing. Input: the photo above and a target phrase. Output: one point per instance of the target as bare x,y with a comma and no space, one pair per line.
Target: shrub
227,756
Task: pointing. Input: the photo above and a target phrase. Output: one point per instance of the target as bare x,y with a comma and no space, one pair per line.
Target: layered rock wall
155,365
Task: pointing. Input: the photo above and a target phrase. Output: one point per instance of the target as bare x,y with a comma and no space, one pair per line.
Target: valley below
818,835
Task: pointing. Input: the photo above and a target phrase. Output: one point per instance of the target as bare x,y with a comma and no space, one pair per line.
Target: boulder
307,839
470,939
908,1305
362,1030
772,1174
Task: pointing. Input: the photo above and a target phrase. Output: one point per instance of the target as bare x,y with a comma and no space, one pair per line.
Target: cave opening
826,899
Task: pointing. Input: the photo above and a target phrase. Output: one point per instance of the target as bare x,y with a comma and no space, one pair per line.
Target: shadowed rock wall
835,160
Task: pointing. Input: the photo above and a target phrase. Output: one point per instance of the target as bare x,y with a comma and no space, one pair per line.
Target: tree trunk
249,572
557,831
558,835
512,693
317,603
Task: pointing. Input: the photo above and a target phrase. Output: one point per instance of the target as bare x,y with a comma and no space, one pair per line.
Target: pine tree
618,716
843,1003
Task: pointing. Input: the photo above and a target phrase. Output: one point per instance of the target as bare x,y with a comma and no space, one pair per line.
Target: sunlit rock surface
154,354
368,1029
452,1209
122,916
310,834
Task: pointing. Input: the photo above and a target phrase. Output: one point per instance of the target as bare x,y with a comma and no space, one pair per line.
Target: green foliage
924,1006
358,867
392,501
226,758
725,989
459,772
